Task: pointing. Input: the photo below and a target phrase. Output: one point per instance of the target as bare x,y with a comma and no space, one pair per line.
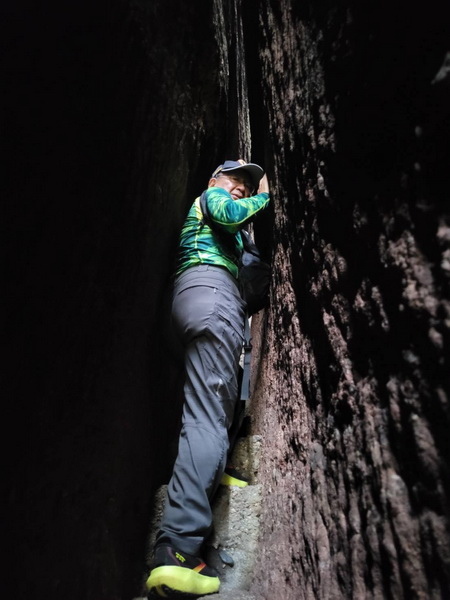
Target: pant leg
208,315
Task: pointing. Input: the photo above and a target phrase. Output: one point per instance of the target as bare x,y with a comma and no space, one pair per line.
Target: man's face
236,184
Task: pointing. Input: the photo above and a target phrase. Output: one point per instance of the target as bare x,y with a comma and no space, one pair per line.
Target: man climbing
208,317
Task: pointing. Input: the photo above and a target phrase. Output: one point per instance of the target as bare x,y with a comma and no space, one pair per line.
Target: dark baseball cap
254,172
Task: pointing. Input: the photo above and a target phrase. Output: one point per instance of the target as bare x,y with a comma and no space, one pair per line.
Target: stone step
236,528
236,513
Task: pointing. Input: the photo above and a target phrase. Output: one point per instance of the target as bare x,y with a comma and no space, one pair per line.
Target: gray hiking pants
208,316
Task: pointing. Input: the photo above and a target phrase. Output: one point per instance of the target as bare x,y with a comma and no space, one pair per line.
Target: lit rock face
132,108
351,397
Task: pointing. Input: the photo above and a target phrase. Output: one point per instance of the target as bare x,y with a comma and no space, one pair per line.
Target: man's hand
263,185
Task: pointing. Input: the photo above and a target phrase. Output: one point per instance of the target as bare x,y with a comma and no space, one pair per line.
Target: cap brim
254,171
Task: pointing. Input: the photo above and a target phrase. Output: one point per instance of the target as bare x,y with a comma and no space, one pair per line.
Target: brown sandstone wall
352,390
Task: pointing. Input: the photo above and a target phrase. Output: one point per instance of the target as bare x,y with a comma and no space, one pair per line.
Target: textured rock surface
116,114
236,518
352,395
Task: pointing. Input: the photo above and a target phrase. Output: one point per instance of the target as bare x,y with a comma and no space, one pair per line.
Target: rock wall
351,397
116,114
113,113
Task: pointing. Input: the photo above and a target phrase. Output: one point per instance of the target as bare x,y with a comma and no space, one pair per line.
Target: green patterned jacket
199,244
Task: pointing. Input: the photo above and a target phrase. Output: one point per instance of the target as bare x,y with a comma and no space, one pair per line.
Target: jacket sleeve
232,215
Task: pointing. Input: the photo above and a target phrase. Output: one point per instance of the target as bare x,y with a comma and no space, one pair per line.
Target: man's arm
231,215
263,185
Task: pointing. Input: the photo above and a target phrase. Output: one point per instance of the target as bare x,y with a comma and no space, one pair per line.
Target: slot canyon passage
115,114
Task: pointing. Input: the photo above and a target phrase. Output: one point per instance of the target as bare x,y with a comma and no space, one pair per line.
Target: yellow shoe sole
228,480
167,579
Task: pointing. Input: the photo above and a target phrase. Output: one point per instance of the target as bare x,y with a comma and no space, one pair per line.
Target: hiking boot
176,573
233,477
